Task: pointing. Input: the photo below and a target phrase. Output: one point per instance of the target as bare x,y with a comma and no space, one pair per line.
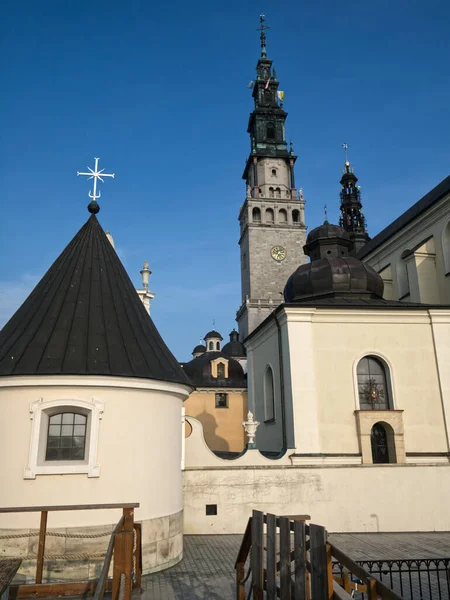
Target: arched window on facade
373,384
256,215
217,345
383,444
296,216
271,192
269,395
270,131
446,248
274,172
221,371
282,216
211,346
269,215
66,439
278,192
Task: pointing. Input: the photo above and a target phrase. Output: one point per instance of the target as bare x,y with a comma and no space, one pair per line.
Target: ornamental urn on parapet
250,426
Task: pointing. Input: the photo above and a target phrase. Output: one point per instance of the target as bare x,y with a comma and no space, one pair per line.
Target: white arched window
296,216
64,437
211,346
271,192
374,389
269,395
278,192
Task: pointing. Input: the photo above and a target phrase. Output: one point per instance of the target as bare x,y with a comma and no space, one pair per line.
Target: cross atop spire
345,147
262,28
95,174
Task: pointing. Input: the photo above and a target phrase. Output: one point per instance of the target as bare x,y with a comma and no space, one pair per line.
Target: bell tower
272,218
352,219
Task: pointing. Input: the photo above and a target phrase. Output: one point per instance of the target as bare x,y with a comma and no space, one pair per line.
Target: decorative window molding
392,421
40,412
214,367
389,372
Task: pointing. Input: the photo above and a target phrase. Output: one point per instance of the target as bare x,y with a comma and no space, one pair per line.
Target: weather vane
262,29
345,146
325,213
95,174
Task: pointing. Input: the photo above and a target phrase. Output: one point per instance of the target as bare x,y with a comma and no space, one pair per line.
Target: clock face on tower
278,253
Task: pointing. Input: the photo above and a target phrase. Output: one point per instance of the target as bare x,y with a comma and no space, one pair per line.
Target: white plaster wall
139,450
344,499
432,223
322,350
264,353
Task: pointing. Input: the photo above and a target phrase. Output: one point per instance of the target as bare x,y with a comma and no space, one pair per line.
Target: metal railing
413,579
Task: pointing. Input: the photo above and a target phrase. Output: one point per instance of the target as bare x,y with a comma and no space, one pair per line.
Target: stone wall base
80,559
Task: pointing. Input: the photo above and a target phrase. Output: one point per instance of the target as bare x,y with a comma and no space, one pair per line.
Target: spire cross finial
96,174
345,146
325,212
262,29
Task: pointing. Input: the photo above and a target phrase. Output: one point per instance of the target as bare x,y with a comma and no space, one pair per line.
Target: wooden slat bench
8,568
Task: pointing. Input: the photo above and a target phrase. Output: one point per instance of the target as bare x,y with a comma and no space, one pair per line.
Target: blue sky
159,92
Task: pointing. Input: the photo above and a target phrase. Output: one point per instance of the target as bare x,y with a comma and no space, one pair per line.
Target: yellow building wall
222,427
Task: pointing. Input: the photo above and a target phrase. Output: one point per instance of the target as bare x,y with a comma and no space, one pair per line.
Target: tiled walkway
207,570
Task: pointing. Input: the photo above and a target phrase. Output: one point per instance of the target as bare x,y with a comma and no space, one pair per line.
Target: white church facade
351,387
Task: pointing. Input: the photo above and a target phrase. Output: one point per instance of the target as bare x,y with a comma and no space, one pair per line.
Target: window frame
226,400
390,378
60,427
269,416
387,386
40,413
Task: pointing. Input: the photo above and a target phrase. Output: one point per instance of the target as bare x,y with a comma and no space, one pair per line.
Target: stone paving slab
207,569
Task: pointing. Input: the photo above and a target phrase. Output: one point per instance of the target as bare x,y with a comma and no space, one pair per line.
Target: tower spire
262,28
352,218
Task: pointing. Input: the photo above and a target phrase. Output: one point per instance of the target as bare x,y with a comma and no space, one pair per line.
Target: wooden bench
8,568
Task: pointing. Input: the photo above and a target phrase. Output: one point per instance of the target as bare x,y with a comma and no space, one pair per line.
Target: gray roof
85,318
413,212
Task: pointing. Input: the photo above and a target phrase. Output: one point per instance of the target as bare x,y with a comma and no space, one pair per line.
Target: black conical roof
85,318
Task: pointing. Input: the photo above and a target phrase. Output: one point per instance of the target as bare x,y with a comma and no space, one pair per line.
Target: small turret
352,219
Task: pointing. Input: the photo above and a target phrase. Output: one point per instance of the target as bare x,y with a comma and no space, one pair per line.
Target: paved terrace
207,570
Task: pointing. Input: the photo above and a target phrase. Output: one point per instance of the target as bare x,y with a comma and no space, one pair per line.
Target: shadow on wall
215,442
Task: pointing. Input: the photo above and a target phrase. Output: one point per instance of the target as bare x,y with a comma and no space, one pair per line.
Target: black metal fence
416,579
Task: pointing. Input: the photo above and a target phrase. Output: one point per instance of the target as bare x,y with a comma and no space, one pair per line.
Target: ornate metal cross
96,174
262,29
345,146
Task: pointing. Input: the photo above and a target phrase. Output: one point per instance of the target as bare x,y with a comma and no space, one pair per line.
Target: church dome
199,349
213,334
326,231
338,276
331,272
234,347
200,371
